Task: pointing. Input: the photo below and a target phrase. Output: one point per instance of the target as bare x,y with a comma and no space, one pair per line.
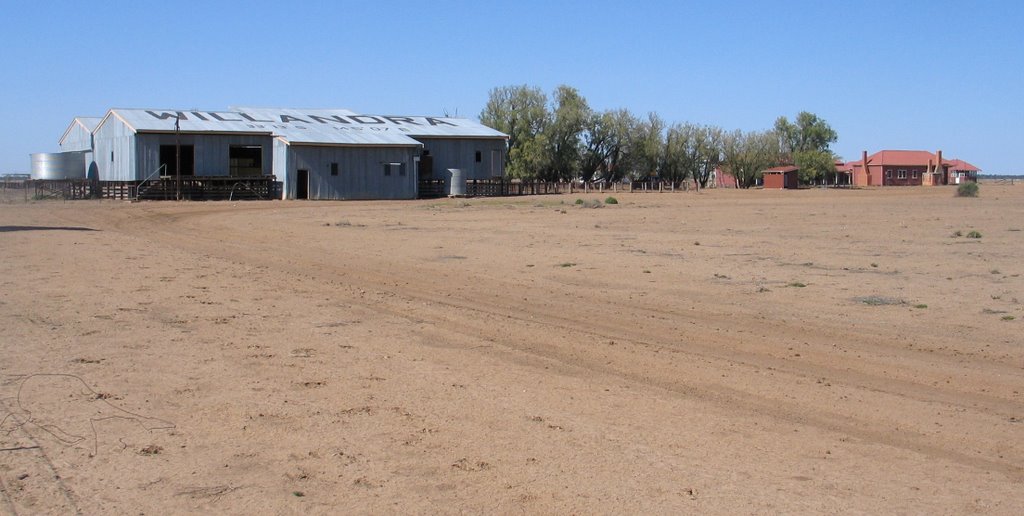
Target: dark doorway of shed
168,160
245,160
302,184
426,168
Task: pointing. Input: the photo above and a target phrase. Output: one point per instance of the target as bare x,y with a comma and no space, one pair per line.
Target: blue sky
886,75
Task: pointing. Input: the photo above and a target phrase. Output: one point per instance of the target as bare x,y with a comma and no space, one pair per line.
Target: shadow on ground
8,229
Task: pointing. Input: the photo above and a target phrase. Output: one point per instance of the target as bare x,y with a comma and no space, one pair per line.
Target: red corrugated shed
781,177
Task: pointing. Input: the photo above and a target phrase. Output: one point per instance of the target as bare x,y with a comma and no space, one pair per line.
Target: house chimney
939,154
864,164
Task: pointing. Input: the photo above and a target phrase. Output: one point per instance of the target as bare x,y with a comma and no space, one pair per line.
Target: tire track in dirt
719,352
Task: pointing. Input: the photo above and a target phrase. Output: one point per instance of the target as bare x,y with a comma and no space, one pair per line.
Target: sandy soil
722,352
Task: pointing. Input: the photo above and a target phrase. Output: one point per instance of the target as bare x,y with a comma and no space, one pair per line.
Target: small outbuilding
781,177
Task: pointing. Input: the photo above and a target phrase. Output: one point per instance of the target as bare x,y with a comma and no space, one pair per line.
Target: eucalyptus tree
692,151
604,144
645,148
707,149
675,165
805,143
569,115
521,113
746,154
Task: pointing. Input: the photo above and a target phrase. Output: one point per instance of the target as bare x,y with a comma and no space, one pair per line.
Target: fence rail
511,187
192,188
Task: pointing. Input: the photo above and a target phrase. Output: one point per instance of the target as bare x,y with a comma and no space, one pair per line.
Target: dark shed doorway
188,160
302,184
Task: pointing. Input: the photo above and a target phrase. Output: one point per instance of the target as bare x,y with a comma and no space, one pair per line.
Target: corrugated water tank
58,165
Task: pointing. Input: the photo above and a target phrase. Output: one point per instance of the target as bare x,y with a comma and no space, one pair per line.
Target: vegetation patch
1008,317
879,300
567,264
921,306
967,190
796,284
974,234
611,200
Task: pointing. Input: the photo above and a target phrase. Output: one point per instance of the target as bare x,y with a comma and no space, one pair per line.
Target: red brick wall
913,175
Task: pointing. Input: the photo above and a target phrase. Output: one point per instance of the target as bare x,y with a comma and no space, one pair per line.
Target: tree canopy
564,139
747,154
805,144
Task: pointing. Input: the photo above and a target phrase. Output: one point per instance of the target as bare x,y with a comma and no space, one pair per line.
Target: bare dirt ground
722,352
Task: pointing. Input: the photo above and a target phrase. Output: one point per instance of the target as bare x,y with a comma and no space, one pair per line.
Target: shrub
579,201
611,200
969,189
974,234
879,300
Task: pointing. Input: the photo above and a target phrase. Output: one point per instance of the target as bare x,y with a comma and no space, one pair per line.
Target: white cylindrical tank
58,165
457,184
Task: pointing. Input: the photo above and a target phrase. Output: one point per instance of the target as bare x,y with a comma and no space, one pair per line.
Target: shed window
902,174
888,174
479,156
245,160
915,173
334,169
394,168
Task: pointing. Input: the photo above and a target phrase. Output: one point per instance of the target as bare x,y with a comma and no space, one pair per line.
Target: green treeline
562,139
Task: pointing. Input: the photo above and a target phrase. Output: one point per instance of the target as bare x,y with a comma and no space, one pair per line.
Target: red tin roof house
910,168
